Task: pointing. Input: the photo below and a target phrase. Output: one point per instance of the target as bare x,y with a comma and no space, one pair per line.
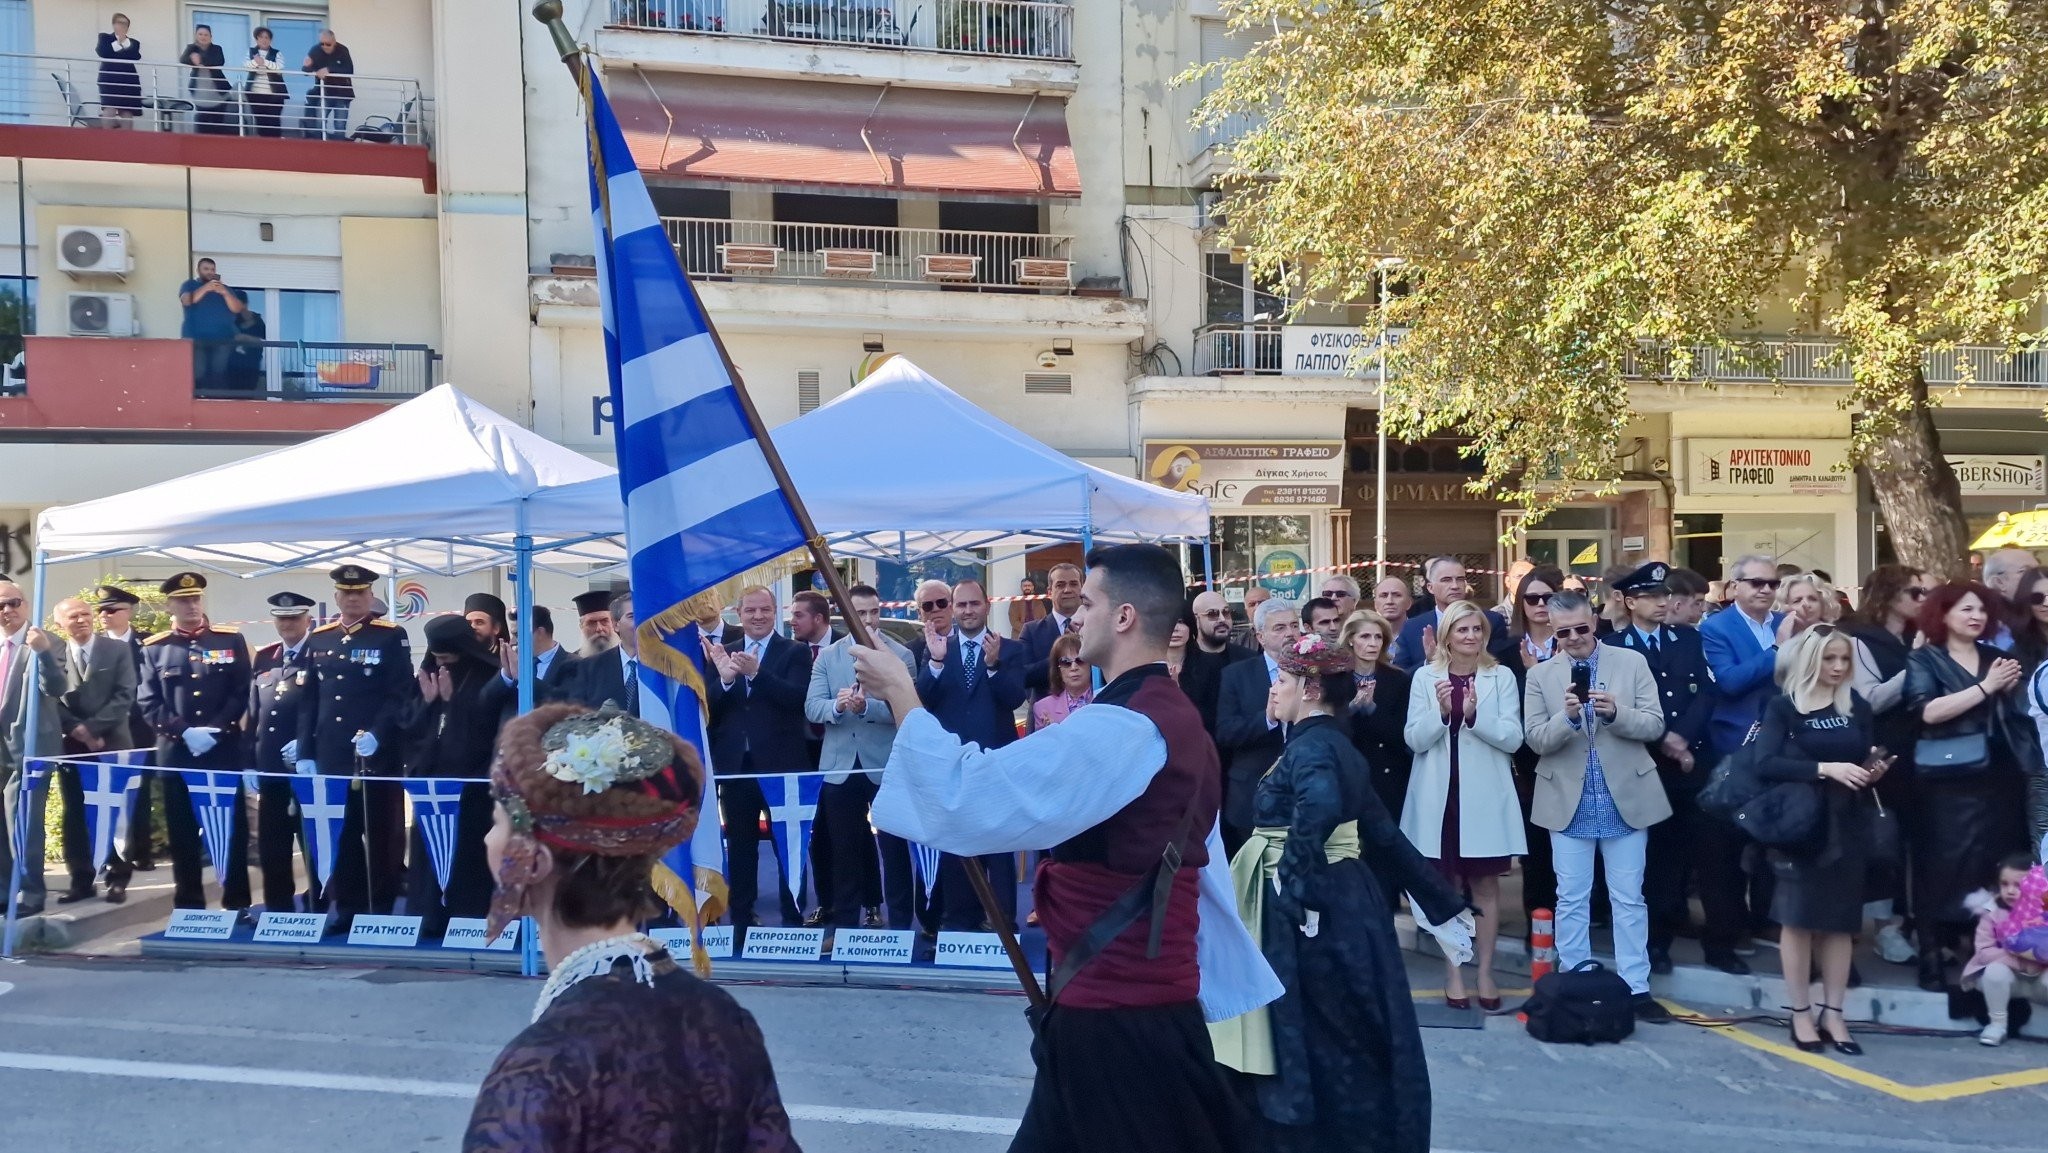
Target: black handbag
1786,814
1886,840
1733,782
1952,756
1589,1005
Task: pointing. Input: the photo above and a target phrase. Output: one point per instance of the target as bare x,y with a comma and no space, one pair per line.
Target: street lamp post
1386,267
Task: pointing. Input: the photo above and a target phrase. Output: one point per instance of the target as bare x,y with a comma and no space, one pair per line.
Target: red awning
740,128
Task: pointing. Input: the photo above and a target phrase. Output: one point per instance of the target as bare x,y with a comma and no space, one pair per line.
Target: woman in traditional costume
627,1052
1340,1054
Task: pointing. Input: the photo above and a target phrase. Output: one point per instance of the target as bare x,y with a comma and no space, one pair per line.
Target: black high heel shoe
1845,1048
1792,1027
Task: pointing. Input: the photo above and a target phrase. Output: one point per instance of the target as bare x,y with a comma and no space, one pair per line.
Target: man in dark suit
1201,671
1445,578
116,611
277,694
554,667
1741,644
1248,738
968,682
99,695
28,667
612,673
756,693
1039,635
195,694
1685,689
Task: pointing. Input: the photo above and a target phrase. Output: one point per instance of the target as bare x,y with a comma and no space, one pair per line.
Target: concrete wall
156,239
390,280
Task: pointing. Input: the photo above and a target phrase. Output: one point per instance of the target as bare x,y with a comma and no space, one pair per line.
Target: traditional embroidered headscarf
582,781
1312,656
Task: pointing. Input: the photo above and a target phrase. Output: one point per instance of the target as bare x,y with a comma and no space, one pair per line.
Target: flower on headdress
1309,644
591,758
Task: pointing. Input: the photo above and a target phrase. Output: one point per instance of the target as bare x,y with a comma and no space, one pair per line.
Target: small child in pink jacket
2012,939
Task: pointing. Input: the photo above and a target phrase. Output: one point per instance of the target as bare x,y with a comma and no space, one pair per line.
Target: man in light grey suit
99,692
1588,713
23,649
858,731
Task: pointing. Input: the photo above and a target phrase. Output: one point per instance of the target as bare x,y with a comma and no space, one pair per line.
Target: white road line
898,1119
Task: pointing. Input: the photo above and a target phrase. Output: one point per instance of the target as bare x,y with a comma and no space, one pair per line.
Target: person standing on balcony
211,93
333,91
211,310
120,83
265,90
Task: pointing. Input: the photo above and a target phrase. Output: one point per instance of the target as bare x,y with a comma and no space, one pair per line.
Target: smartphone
1582,682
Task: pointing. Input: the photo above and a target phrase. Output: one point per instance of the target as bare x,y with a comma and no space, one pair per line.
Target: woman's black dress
1351,1069
1820,887
1377,735
455,739
120,83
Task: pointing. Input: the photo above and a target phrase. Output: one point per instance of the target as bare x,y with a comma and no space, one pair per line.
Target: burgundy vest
1087,874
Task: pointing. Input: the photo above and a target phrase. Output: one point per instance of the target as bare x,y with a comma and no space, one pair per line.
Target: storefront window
1274,547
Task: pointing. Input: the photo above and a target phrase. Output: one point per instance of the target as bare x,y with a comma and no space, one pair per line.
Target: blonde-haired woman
1819,730
1464,725
1806,600
1379,707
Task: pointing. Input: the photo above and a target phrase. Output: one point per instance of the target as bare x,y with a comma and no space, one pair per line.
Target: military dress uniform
359,680
1685,688
276,694
197,680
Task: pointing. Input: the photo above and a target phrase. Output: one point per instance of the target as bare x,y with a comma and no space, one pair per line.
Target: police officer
116,612
1685,687
194,693
359,685
276,695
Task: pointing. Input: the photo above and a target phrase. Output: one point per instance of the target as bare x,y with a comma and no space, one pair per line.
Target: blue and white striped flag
323,805
436,809
215,798
702,501
107,782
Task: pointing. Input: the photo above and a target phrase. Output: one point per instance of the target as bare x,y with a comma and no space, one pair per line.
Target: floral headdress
1312,656
581,781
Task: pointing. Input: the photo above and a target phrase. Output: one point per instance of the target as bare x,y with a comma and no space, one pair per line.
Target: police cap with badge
289,605
115,597
184,584
353,578
1645,581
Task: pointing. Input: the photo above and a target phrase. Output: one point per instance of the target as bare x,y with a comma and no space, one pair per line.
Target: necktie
6,665
817,731
632,686
970,662
1069,626
1652,639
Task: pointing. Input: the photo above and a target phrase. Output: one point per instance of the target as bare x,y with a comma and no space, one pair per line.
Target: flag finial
549,12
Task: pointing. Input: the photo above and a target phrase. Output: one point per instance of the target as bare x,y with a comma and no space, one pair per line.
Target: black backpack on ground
1588,1005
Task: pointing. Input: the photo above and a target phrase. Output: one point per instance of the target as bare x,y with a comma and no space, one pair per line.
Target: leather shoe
142,863
871,918
819,918
1648,1011
73,896
117,891
1727,962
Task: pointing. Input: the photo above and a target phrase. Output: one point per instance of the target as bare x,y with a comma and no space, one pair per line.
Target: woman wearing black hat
450,735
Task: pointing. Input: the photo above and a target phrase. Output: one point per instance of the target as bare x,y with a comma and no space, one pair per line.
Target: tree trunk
1918,494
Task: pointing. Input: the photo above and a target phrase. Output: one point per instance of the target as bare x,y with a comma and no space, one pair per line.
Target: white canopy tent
902,468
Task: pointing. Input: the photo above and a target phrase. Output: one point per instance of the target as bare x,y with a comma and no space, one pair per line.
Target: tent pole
522,572
1209,563
31,682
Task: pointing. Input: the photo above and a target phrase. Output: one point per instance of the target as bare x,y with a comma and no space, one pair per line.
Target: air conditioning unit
90,250
100,313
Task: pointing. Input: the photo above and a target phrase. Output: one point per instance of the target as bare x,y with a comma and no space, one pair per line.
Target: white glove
290,752
251,781
306,768
1313,924
200,741
366,744
1454,936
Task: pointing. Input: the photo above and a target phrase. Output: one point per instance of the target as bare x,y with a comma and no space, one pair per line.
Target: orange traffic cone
1542,945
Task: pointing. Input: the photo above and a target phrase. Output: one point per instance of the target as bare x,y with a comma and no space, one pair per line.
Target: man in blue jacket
1742,651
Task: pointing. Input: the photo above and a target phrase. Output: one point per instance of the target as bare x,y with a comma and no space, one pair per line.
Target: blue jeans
1573,859
327,117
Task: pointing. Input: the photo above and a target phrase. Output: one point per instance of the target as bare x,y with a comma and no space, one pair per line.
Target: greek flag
215,797
323,804
436,804
107,782
792,807
926,860
702,502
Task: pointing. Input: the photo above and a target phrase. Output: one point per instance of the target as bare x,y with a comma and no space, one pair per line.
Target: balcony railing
972,27
320,370
1255,349
850,254
76,92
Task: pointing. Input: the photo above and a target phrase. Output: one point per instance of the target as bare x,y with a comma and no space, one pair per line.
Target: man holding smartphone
210,311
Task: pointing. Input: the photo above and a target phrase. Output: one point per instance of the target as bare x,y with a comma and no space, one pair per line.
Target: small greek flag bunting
926,859
792,807
215,798
323,803
703,503
436,805
107,781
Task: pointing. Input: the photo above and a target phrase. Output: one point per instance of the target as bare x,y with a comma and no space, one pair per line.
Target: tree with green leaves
1571,182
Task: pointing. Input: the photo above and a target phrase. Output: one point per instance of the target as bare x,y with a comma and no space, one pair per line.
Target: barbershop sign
1999,474
1250,474
1768,468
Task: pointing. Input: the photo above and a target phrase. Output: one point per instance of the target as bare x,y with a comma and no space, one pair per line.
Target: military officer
276,693
1685,687
359,685
116,612
194,693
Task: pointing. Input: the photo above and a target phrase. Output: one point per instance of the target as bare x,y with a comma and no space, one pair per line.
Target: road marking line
900,1119
1916,1094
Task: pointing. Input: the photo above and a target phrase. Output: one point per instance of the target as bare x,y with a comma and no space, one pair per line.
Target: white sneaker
1893,946
1994,1033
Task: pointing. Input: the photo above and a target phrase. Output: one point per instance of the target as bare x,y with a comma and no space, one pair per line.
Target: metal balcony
1019,28
767,250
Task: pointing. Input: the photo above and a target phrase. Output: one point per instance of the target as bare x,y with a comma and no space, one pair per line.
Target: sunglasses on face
935,606
1920,594
2037,598
1072,662
109,610
1570,631
1534,599
11,603
1215,614
1760,582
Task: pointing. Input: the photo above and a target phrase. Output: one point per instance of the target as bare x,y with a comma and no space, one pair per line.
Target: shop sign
1423,491
1999,474
1250,474
1318,350
1283,570
1768,468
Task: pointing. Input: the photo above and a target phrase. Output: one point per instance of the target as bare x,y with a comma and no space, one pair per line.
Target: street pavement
120,1053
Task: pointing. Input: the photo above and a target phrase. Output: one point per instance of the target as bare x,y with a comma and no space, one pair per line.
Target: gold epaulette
158,638
225,629
329,627
383,622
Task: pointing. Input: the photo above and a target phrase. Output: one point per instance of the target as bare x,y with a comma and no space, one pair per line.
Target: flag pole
549,12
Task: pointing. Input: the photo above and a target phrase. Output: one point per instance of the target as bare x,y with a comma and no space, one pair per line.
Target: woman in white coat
1464,725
